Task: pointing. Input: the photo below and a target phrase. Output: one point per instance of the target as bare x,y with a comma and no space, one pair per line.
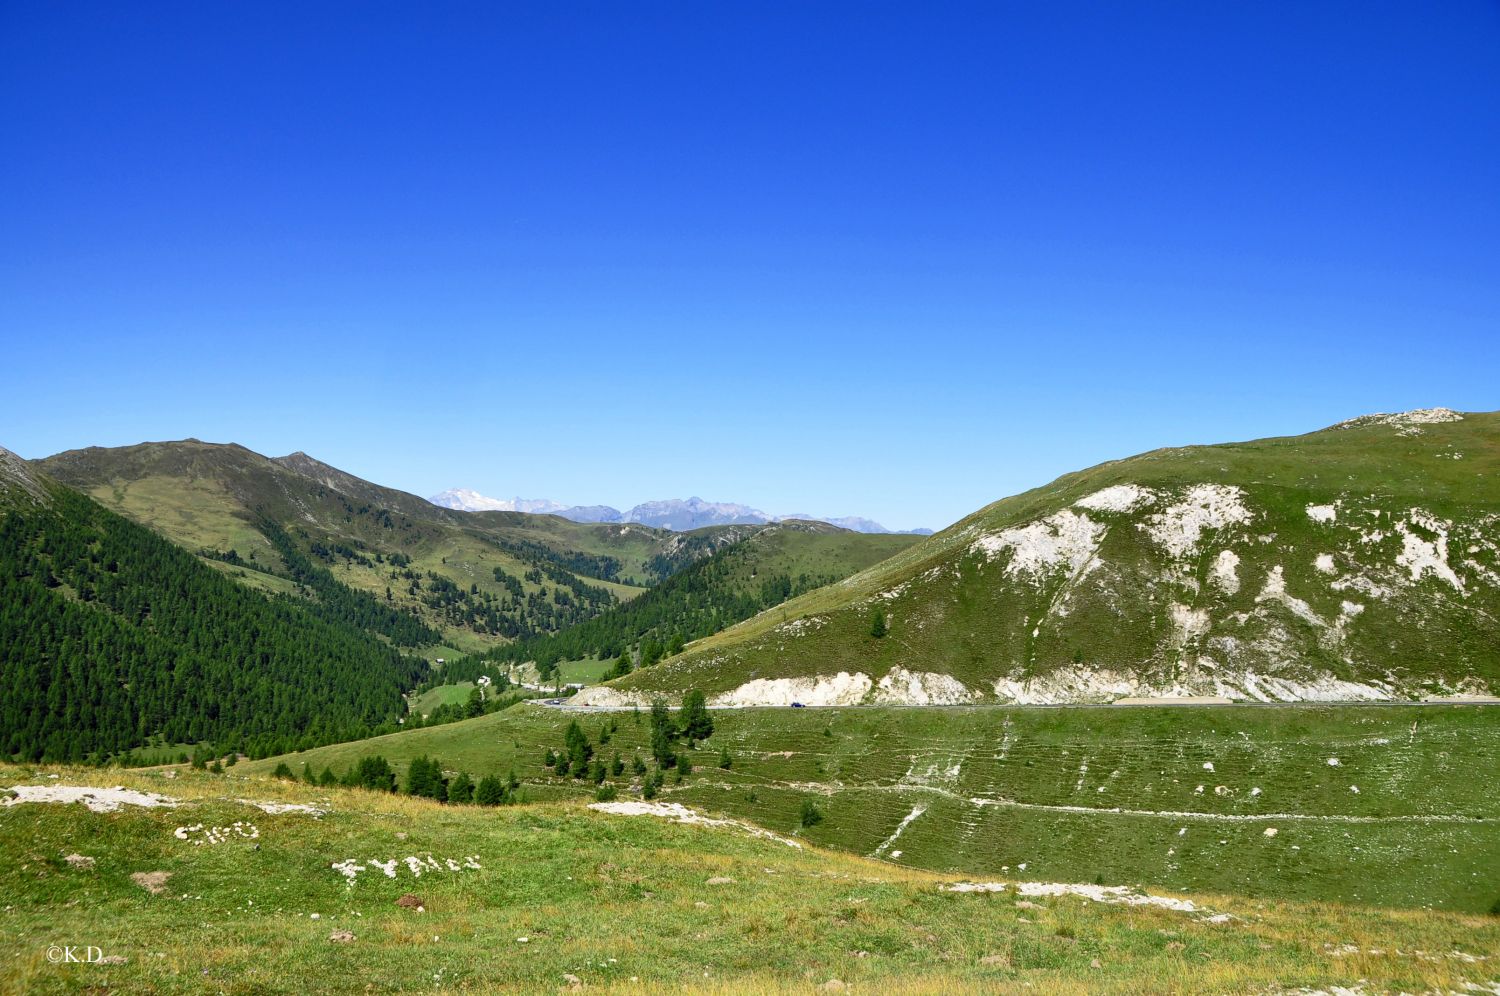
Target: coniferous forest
111,635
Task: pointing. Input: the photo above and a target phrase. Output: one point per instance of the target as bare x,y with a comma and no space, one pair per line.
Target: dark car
798,705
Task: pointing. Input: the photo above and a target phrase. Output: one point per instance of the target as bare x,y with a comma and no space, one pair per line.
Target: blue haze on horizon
891,260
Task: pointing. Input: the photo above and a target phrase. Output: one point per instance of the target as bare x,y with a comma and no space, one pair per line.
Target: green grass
1421,831
620,903
269,583
441,695
587,671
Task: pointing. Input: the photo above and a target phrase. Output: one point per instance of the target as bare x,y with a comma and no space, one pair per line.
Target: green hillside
476,579
207,891
1167,797
110,635
1358,562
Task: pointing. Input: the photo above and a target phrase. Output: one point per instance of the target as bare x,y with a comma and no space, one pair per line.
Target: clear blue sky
895,260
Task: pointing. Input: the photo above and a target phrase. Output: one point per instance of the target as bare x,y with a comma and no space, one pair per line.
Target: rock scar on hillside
678,813
99,800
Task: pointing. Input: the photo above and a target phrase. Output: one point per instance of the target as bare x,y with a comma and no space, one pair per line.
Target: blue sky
894,260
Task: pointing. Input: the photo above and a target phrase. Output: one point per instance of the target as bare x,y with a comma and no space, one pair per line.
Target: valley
1301,634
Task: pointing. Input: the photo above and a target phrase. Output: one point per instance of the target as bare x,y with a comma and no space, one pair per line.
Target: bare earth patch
153,882
99,800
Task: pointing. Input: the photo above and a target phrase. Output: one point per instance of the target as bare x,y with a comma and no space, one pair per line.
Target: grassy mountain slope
111,635
1361,561
549,896
1167,797
437,563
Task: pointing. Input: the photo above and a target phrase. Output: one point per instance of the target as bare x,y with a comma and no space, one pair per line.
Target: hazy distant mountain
668,513
591,513
465,500
675,513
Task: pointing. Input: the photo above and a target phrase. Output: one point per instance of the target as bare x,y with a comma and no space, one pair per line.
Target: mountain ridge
676,514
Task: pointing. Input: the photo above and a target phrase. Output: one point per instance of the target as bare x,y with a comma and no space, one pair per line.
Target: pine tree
374,772
877,622
697,724
461,789
662,733
489,792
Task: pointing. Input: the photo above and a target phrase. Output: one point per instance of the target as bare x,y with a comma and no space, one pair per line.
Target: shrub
725,761
282,771
811,814
605,793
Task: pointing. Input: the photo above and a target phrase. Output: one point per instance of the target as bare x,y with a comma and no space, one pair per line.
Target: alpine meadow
765,499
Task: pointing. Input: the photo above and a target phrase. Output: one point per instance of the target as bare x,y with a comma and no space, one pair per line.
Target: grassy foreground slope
1170,797
1360,561
540,897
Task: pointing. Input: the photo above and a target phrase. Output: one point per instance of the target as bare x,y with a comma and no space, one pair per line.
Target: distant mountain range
671,513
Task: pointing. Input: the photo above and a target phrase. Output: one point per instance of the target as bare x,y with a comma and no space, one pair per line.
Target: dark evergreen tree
662,734
461,789
490,791
374,772
697,724
424,777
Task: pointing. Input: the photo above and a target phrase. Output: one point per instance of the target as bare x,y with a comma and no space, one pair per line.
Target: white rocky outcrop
1117,498
822,690
1422,556
1179,528
604,697
1225,572
903,687
1064,540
